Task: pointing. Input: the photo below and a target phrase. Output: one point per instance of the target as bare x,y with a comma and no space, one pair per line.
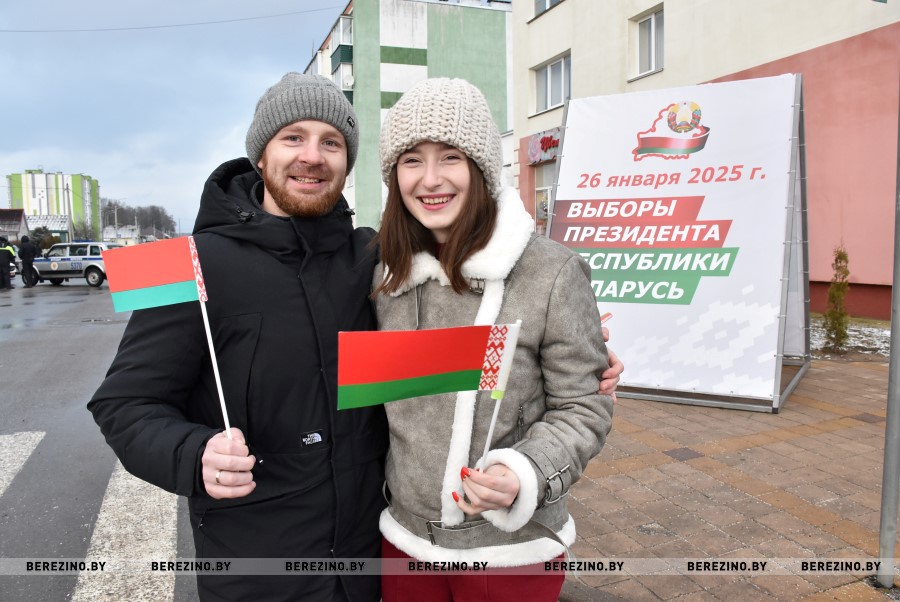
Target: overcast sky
148,111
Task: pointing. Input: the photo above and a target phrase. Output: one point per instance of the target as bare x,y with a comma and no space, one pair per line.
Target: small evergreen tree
836,318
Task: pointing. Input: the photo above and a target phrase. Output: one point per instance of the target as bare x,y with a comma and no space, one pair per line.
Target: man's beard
299,204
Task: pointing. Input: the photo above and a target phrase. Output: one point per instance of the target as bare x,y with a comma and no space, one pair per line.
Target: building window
342,34
541,6
553,84
650,43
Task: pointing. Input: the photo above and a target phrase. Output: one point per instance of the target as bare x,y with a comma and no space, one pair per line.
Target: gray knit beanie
451,111
297,97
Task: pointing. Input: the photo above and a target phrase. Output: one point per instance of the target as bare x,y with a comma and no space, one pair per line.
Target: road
64,494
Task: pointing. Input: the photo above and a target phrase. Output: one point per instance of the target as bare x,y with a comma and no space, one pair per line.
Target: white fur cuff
517,515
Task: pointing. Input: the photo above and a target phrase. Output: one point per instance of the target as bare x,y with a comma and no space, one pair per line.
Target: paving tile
651,534
752,485
812,493
782,547
714,542
785,587
683,453
593,526
678,469
627,517
661,508
686,525
817,541
752,507
629,464
616,482
783,522
649,475
578,510
597,469
721,515
603,503
624,426
585,488
676,547
700,482
750,532
869,499
692,502
785,501
855,535
615,544
637,495
870,520
669,487
654,440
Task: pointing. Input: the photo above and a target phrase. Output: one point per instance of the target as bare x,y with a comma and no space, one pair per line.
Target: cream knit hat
451,111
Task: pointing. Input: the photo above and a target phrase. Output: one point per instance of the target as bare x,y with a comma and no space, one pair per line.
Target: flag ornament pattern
379,367
154,274
198,273
493,357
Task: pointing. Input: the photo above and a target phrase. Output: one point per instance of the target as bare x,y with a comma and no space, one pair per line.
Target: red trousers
490,585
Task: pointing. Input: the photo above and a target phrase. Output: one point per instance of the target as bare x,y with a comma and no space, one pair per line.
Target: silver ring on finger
218,472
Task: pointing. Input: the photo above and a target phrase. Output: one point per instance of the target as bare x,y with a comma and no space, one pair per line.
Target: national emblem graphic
685,137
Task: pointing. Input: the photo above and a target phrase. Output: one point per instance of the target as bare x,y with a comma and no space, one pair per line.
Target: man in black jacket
285,271
27,253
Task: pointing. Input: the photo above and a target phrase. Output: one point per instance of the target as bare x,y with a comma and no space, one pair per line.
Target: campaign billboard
686,204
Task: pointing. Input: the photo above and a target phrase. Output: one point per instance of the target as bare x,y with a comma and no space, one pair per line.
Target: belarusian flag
153,274
378,367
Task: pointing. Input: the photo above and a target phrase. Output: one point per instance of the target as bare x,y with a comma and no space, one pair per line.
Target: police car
73,260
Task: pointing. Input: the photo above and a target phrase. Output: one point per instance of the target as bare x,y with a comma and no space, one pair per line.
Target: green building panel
17,196
470,43
404,56
367,102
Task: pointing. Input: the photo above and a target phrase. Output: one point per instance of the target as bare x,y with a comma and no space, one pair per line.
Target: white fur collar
494,262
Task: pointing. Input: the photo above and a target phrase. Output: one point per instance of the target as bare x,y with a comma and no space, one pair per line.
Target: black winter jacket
279,291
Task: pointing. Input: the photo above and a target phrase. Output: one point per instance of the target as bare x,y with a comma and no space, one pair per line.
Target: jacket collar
512,232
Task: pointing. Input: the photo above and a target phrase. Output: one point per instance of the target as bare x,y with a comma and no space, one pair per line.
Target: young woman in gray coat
458,248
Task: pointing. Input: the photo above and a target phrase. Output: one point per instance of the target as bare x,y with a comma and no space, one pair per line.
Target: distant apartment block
43,194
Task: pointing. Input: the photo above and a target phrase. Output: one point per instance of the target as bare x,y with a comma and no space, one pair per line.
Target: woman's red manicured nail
464,472
455,496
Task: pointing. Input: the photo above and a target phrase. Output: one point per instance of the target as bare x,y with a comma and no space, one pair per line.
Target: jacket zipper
520,423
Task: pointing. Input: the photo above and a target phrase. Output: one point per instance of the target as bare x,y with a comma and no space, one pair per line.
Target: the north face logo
311,438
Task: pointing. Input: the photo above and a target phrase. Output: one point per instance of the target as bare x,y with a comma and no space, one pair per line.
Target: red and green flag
154,274
378,367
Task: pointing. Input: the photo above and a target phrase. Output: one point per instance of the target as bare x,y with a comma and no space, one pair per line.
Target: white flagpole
509,350
201,294
215,365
